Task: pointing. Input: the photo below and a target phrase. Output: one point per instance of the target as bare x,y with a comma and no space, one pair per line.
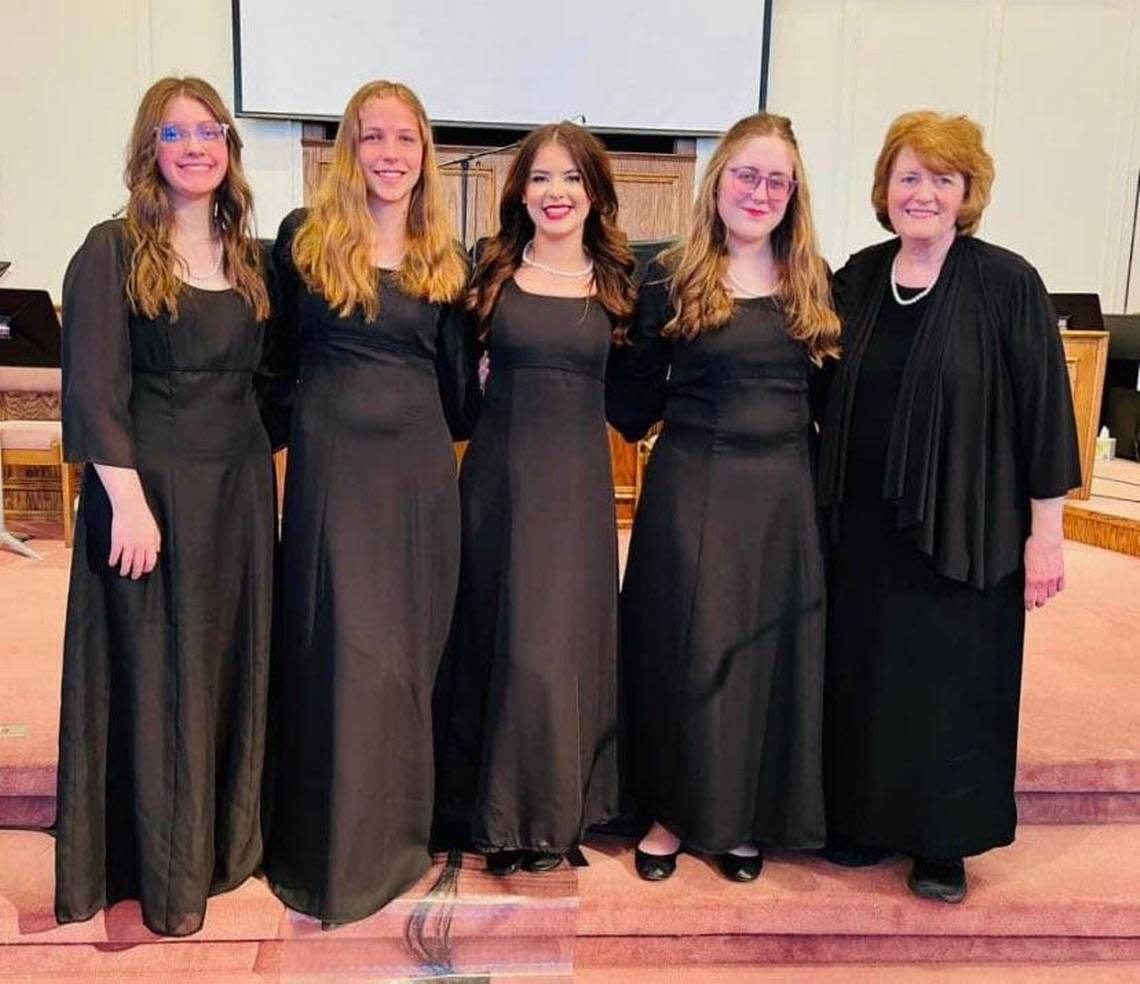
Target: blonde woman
371,527
162,726
722,606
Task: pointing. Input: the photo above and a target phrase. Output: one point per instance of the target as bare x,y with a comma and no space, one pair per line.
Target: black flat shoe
654,867
854,855
504,862
540,861
734,867
943,881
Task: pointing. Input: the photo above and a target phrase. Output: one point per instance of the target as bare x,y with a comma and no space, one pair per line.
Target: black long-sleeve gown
525,703
722,605
945,417
162,725
370,560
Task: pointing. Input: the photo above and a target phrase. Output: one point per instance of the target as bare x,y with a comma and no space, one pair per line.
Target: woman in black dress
722,606
525,704
370,539
162,726
948,447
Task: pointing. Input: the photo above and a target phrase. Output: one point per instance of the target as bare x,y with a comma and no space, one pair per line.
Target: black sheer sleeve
457,369
636,373
276,378
1046,427
96,355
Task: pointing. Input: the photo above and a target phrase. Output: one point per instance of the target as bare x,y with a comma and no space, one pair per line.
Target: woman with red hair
948,447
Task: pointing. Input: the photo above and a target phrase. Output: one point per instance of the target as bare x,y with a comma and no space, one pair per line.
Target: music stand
29,336
1078,311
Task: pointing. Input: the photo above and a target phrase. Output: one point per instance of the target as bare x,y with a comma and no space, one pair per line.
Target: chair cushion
30,379
28,435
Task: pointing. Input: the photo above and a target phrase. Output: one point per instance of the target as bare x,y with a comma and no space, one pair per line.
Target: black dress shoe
854,855
944,881
654,867
542,860
504,862
735,867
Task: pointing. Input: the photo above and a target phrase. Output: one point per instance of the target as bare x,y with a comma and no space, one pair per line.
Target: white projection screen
684,67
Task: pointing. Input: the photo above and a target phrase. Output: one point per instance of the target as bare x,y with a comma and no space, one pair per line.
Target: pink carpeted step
912,973
521,924
1080,733
1060,892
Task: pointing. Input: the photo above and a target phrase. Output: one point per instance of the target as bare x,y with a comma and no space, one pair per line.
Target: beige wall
1056,83
71,75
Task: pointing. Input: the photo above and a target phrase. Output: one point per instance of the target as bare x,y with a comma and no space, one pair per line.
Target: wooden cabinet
655,194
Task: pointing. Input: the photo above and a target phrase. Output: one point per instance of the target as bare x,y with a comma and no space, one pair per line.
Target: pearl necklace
529,260
747,293
895,287
191,275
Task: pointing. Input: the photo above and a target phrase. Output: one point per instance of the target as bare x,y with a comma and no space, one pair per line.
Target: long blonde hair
333,247
698,263
153,285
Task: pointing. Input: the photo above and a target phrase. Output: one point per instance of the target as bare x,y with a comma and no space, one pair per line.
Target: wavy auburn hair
153,285
606,244
944,144
333,247
697,264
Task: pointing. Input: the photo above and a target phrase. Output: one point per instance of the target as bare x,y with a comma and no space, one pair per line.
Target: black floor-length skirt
526,699
922,694
722,629
369,568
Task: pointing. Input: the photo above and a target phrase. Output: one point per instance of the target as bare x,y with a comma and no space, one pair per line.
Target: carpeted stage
1062,904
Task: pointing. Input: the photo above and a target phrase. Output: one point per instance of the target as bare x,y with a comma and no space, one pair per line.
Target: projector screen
685,67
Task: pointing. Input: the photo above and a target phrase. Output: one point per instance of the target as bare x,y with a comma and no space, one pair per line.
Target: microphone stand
464,179
465,170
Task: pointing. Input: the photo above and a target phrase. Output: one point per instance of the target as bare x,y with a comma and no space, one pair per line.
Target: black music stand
1078,311
29,336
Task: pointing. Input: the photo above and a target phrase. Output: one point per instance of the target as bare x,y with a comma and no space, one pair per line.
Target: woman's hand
1044,553
1044,571
135,539
484,371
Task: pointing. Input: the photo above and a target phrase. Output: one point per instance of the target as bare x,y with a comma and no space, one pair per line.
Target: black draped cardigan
984,420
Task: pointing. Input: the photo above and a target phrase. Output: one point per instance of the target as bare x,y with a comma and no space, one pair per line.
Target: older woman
948,447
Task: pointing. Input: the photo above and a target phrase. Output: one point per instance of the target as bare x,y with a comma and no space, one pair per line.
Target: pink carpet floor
1061,904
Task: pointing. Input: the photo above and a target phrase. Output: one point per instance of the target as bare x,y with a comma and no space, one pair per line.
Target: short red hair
943,144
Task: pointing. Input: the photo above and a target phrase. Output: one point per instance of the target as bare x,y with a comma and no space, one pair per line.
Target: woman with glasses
525,703
948,447
722,605
370,537
166,647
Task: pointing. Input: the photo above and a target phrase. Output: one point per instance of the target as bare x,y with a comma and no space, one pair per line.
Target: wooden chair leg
68,496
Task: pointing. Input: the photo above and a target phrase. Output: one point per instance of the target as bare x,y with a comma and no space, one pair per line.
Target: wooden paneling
655,191
1085,355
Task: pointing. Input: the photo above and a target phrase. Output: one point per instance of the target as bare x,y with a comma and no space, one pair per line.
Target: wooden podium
1086,353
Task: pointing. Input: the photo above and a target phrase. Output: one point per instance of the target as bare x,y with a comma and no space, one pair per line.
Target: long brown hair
333,247
698,263
152,283
606,244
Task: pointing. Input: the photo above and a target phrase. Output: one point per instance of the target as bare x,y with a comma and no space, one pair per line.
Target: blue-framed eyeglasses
172,133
